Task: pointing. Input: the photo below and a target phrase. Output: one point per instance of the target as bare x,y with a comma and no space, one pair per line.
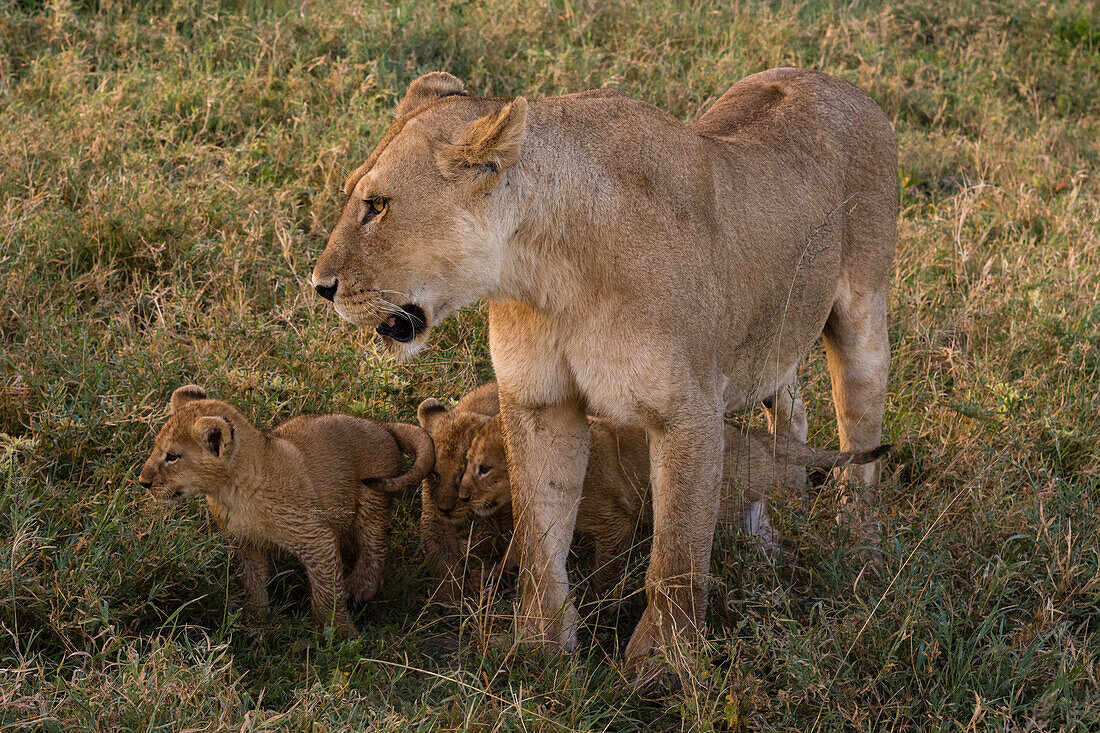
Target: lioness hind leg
786,413
858,350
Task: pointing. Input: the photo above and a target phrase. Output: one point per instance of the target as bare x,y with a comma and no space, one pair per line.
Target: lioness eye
375,206
171,457
482,470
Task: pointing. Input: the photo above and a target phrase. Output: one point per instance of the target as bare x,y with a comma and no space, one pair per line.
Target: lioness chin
639,269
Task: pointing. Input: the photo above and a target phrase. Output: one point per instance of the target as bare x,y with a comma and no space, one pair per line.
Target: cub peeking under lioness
313,486
458,551
615,494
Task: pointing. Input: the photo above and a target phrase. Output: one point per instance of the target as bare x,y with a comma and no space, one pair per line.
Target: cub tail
415,443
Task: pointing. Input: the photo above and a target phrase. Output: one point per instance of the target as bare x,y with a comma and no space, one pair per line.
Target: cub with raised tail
313,487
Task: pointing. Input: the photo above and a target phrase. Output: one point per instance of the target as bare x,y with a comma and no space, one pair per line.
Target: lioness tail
800,454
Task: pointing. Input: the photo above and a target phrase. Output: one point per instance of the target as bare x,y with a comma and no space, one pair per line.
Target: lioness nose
326,290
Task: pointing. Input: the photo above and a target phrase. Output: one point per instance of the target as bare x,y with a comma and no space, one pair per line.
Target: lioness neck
590,177
555,194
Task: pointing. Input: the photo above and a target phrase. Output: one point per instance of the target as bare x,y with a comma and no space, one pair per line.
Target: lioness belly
788,316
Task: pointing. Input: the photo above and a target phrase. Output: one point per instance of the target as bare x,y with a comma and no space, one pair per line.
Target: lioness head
452,432
486,483
195,449
421,233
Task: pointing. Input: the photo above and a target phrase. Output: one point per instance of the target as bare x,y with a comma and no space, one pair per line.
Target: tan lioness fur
313,486
615,496
639,269
458,551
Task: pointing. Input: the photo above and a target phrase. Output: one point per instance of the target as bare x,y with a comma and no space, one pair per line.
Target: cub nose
327,290
145,483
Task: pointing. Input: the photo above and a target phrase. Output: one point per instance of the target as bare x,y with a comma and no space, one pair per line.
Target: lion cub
456,548
313,486
615,495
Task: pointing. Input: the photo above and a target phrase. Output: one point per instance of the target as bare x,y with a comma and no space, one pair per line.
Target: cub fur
615,495
312,487
457,549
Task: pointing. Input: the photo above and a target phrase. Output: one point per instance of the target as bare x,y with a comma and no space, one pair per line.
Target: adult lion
639,269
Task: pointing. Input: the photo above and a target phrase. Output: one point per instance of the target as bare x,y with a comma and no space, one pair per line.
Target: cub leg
255,571
372,530
756,523
858,350
547,454
321,558
612,543
443,548
686,462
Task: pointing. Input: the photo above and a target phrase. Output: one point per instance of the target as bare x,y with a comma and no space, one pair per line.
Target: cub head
424,225
485,483
195,449
452,432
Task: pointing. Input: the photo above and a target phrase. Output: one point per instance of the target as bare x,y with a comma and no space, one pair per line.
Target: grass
167,174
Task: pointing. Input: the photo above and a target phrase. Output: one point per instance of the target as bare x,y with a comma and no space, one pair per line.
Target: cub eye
171,457
375,206
482,470
433,477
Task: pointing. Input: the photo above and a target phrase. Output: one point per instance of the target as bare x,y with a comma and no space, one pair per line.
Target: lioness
638,269
615,495
457,549
311,487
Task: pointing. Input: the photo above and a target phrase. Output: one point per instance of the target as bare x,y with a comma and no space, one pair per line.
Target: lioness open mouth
403,325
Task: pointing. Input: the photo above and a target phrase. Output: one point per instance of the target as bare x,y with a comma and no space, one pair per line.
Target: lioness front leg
320,555
547,455
686,472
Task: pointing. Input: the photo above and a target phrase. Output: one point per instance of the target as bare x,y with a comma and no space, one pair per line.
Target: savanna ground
167,174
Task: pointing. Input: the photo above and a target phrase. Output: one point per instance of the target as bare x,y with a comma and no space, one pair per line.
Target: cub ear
183,395
429,412
214,434
428,88
488,146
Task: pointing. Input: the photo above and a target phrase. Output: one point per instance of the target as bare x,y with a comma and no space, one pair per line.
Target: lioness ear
214,434
183,395
489,145
428,88
429,412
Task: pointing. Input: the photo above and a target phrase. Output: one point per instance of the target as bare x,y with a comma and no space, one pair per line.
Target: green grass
167,174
